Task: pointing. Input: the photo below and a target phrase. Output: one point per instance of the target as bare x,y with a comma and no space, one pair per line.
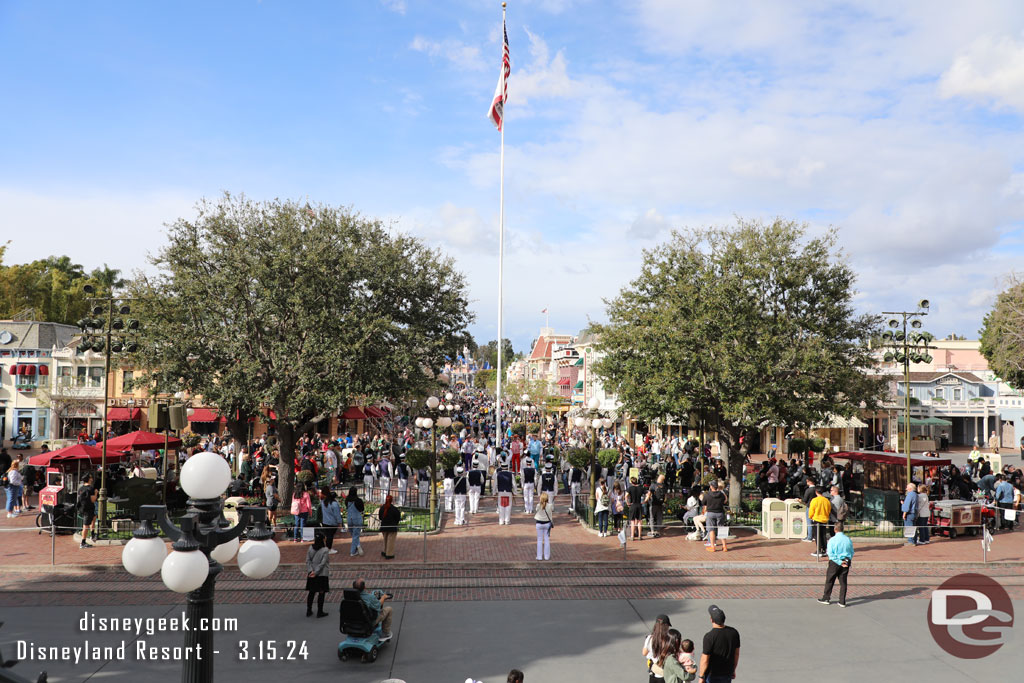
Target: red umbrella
140,440
79,451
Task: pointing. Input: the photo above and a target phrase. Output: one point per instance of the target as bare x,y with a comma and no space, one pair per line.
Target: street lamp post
201,543
109,335
437,415
906,347
597,420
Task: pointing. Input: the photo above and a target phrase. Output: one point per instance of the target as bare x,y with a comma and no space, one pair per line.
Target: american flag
497,111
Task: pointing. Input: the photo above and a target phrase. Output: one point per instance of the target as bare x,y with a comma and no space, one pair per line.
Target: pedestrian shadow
887,595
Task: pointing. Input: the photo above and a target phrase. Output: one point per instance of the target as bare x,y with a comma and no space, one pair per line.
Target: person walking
635,500
721,652
354,516
909,509
389,516
544,524
461,490
476,486
316,575
86,507
529,478
657,498
330,517
618,505
819,513
601,508
714,513
270,494
548,482
504,486
923,513
840,555
301,507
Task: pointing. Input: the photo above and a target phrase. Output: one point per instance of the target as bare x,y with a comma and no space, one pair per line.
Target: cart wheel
973,531
372,656
952,533
343,656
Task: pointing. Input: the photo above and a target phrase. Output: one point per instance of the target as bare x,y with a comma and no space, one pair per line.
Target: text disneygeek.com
142,650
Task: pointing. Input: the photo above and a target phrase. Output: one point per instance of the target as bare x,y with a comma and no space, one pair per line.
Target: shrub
449,458
519,429
306,478
458,426
418,458
190,440
534,427
798,446
608,457
579,457
816,444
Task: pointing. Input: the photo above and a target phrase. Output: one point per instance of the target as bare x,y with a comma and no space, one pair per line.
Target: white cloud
461,55
107,228
648,225
396,6
991,70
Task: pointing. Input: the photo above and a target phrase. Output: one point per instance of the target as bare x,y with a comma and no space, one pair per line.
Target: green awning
579,362
938,422
579,385
916,421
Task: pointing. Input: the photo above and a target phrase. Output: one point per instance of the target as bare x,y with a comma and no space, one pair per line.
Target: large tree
51,288
298,308
1002,334
751,324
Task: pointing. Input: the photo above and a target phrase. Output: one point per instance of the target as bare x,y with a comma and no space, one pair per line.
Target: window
89,377
939,393
64,378
126,380
957,394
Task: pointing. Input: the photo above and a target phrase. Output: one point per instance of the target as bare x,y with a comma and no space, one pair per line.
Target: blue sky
899,125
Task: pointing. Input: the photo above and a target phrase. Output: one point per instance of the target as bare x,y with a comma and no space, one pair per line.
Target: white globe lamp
580,421
144,556
184,570
607,423
419,422
225,551
444,422
596,423
205,475
428,423
449,396
594,403
526,398
258,559
433,402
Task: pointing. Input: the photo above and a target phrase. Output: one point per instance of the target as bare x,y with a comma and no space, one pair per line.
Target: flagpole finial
502,5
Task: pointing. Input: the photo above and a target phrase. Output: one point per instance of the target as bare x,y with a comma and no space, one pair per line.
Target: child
686,660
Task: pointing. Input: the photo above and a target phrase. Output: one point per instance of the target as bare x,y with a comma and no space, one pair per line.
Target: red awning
888,459
374,412
44,369
202,415
141,440
123,414
14,369
564,381
27,370
353,413
93,454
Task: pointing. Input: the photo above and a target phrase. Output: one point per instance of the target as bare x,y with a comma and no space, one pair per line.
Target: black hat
717,615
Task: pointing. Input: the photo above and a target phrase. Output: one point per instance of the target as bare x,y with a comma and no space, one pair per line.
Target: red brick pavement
482,540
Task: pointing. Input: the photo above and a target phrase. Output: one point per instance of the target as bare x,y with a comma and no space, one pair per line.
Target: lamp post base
198,664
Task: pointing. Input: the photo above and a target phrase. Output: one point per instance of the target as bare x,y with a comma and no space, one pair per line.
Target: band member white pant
504,511
528,497
424,493
449,488
367,487
385,488
574,491
403,484
460,509
474,499
551,499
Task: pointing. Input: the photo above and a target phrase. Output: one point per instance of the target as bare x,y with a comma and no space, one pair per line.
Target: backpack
4,481
657,495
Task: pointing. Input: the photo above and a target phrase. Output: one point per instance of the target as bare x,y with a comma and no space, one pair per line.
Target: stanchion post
53,540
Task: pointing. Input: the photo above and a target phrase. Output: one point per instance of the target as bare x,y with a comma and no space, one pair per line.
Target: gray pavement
577,640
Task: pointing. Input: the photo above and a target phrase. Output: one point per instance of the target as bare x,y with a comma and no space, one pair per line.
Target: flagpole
498,434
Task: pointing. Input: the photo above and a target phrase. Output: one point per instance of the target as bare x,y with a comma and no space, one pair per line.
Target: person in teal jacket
840,556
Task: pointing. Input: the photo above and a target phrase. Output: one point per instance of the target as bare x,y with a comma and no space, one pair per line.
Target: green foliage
418,458
608,457
489,353
305,478
190,440
816,444
458,426
798,446
519,429
534,428
486,379
1002,340
579,457
296,307
752,323
449,458
53,288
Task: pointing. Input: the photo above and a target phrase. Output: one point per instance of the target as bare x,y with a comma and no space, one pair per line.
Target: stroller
357,623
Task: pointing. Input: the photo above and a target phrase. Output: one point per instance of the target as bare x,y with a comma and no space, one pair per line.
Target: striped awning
839,422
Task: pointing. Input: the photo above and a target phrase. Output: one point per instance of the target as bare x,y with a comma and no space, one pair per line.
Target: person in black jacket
461,489
809,493
389,516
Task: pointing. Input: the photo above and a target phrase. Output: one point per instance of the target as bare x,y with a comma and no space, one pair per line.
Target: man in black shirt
86,507
721,653
809,493
714,512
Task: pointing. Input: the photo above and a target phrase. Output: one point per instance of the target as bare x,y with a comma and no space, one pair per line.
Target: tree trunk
239,432
733,456
286,462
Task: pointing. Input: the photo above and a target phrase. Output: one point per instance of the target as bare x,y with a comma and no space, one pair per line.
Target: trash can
774,518
796,519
